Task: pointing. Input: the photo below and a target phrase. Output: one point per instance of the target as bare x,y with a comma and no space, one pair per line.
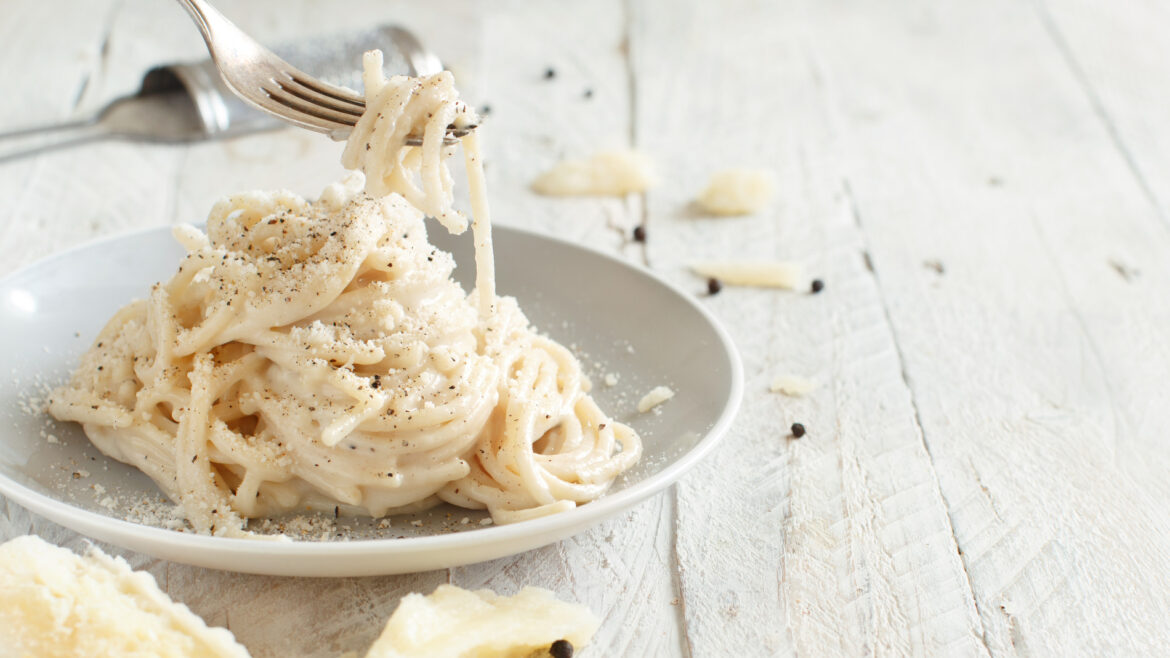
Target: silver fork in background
149,117
269,83
180,103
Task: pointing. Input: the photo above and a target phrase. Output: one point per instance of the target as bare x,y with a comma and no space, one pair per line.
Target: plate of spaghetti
352,385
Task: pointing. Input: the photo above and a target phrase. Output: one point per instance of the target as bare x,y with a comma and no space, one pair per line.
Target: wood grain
1031,359
837,542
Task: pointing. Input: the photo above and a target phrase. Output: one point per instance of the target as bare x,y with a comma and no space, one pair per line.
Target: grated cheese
655,397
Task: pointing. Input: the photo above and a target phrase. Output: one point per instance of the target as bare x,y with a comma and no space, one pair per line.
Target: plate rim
556,525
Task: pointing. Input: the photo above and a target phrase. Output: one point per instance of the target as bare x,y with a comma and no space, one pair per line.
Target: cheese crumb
54,603
764,274
792,385
738,192
654,398
203,275
611,379
519,626
606,173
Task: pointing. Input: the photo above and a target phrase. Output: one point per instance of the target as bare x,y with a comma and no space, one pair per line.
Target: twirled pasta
313,355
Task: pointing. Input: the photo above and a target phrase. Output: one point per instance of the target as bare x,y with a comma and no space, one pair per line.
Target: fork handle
199,11
38,139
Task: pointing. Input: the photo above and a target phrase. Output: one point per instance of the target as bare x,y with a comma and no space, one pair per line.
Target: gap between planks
1099,110
872,270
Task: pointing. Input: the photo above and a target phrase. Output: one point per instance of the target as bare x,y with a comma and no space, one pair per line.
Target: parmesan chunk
453,622
654,398
606,173
54,604
792,385
762,274
737,192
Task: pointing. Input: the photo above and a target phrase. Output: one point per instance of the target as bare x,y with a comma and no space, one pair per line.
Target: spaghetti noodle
319,355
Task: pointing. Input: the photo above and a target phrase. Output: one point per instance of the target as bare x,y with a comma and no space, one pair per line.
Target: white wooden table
985,189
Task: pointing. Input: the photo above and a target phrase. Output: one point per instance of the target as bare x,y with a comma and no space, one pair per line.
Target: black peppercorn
550,73
640,233
797,430
714,286
817,286
561,649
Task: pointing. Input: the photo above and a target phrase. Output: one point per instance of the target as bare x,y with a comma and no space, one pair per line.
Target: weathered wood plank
837,543
1037,367
1126,86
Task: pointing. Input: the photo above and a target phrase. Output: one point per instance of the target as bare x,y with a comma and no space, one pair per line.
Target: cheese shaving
792,385
761,274
607,173
488,624
738,192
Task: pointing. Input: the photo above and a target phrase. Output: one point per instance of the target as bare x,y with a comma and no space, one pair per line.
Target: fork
273,85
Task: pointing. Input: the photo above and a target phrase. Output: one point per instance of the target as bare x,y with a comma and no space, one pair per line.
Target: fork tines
339,108
317,99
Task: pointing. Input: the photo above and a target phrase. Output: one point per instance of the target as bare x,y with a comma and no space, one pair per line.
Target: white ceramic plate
618,318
